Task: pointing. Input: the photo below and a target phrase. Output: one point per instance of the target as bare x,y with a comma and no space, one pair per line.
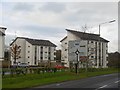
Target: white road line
103,86
117,81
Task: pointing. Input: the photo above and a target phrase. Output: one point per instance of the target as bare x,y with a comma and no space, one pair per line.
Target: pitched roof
1,33
63,38
87,36
3,28
37,42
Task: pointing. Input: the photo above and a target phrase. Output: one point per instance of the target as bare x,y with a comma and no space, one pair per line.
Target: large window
41,53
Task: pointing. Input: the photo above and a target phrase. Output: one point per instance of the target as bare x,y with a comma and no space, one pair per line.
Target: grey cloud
53,7
91,12
23,7
44,30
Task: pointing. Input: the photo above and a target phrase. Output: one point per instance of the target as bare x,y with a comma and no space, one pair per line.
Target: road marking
117,81
103,86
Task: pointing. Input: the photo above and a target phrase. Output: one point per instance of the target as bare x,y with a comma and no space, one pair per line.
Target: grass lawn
32,80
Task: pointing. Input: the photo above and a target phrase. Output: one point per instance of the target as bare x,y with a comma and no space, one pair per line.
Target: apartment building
34,51
90,46
2,42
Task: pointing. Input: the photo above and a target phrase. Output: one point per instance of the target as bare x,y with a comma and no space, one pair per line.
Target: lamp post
76,64
105,23
99,38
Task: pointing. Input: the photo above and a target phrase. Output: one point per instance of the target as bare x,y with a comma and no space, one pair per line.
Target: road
110,81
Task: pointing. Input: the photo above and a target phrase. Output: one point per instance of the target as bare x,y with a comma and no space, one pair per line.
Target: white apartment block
91,46
2,42
34,51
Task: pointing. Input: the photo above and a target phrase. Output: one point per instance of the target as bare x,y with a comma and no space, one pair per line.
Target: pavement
109,82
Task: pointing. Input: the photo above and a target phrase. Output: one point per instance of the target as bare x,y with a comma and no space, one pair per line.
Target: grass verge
32,80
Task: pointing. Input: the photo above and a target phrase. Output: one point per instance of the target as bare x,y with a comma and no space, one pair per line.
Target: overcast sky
48,20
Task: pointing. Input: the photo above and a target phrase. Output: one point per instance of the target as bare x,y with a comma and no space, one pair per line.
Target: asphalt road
110,81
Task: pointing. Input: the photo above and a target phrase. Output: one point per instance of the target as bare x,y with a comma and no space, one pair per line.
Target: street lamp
99,38
105,23
76,64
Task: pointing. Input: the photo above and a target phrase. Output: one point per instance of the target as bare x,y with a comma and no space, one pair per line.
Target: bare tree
84,28
15,52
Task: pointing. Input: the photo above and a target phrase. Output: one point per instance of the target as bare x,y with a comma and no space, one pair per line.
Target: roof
36,42
87,36
3,28
63,38
1,33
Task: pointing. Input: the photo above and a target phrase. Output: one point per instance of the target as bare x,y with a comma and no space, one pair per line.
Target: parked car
23,65
60,67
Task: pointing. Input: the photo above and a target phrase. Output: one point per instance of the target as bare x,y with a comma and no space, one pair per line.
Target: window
92,56
65,42
65,56
28,57
49,58
28,51
82,46
65,49
28,46
45,52
49,49
88,42
88,50
54,53
76,44
106,45
41,48
92,49
106,52
41,57
91,41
